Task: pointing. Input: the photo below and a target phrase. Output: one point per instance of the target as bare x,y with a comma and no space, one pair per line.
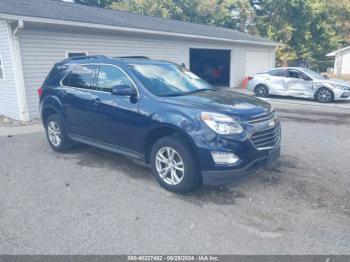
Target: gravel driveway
91,202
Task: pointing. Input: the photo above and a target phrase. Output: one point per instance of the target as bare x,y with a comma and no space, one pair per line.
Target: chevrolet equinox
188,132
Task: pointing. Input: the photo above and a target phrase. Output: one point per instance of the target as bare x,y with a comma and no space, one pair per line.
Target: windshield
313,74
169,79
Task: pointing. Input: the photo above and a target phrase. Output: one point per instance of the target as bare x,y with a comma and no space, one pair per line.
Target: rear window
278,72
55,75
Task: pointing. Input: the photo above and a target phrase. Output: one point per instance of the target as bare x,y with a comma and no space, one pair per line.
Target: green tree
179,9
237,14
98,3
307,28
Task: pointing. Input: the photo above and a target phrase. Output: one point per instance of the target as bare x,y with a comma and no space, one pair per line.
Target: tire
187,180
324,95
261,91
56,134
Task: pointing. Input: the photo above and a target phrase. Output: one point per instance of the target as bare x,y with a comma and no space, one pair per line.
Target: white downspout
21,91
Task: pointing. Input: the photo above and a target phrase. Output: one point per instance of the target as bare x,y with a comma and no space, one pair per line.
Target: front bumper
222,177
341,95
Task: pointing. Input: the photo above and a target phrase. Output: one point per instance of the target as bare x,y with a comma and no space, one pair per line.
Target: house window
75,54
2,76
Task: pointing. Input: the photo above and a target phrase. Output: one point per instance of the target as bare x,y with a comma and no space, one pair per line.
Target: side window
299,75
272,72
81,76
2,76
281,73
110,76
293,74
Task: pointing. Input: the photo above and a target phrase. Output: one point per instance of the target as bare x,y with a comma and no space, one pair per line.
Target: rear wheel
174,165
324,95
56,135
261,91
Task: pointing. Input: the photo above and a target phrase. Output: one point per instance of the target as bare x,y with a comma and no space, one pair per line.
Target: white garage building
35,34
341,61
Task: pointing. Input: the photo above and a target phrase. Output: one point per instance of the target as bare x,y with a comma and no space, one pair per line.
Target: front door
75,94
116,118
298,84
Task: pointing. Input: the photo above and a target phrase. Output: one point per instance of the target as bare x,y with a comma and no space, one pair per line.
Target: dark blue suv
159,112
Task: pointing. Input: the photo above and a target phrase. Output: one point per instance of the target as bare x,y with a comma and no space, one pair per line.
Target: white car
299,82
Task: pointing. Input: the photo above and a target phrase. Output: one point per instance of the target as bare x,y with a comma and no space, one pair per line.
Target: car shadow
87,156
286,98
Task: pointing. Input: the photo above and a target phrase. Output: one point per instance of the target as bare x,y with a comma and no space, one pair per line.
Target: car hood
225,101
333,81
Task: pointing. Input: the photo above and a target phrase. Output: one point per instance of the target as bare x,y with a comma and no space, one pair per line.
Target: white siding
257,62
41,48
345,69
8,93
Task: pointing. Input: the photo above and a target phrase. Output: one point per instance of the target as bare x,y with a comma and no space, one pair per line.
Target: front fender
187,124
318,85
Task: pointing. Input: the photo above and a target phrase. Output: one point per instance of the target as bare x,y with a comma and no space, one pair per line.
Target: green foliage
237,14
309,29
98,3
160,8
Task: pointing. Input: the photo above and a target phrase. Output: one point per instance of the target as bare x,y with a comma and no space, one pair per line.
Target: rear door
75,95
298,84
115,118
276,81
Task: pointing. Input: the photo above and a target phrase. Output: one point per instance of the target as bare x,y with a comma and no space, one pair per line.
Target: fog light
224,158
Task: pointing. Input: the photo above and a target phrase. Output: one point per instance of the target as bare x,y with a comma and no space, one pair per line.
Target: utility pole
338,63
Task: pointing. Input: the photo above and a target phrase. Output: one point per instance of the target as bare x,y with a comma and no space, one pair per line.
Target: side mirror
123,90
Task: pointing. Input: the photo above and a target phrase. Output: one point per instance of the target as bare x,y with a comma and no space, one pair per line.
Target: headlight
221,124
345,88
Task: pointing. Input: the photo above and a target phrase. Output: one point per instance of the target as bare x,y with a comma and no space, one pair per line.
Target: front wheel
261,91
174,165
324,95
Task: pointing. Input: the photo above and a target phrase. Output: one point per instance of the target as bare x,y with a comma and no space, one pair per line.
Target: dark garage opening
212,65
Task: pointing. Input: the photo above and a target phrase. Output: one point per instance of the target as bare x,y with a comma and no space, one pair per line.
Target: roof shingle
56,9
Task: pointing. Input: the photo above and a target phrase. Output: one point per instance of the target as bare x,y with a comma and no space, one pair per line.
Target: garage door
213,65
257,62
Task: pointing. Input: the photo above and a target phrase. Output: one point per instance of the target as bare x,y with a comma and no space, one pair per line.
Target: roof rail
133,57
86,57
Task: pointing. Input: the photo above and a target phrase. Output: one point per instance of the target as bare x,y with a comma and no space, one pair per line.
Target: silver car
299,82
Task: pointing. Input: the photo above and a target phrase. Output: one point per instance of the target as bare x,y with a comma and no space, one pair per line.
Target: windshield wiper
190,92
199,90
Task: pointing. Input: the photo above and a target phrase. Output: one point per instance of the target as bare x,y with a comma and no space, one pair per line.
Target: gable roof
333,54
63,11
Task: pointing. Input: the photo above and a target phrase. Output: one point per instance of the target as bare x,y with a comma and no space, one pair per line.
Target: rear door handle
96,101
63,92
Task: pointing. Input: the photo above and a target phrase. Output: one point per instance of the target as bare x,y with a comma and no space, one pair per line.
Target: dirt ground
92,202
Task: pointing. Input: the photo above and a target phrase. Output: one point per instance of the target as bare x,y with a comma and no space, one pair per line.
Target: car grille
262,118
266,138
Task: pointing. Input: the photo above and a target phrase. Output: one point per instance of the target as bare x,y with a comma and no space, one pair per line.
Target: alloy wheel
324,95
261,91
54,133
170,166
